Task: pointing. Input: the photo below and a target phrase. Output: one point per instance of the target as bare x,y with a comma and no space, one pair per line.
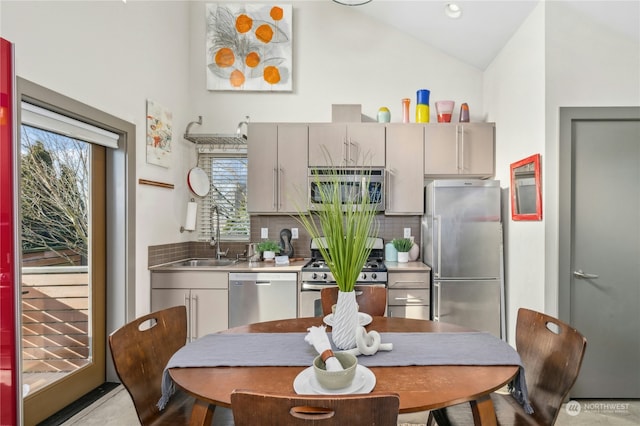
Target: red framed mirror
526,192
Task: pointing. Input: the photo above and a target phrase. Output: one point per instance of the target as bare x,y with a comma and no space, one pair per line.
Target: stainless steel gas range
315,275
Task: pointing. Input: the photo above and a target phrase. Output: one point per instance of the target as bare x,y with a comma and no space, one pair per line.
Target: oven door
310,304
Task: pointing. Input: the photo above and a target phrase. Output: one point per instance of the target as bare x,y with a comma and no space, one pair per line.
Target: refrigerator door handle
437,224
436,313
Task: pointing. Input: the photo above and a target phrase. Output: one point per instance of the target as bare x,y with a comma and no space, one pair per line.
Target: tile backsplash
390,227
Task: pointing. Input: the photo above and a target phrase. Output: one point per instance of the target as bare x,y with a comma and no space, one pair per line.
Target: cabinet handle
436,223
462,148
458,148
275,188
436,314
194,317
412,299
280,189
345,152
387,186
187,303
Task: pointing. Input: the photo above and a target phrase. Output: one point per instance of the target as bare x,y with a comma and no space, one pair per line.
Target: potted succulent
403,245
346,228
268,249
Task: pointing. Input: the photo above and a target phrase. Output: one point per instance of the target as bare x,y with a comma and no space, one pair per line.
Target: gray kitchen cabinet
408,294
459,149
277,165
404,171
205,294
346,144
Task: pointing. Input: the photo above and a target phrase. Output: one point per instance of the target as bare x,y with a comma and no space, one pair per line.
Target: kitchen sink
205,262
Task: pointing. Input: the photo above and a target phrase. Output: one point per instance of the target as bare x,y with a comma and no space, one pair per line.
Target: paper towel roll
190,223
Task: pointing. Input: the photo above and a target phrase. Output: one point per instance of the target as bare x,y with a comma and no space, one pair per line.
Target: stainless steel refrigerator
462,243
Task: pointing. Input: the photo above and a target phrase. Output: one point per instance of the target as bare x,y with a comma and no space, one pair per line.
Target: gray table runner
290,349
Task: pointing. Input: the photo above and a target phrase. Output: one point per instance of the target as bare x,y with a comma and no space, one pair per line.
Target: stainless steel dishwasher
262,296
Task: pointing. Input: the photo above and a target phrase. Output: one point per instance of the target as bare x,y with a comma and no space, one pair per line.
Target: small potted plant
403,245
268,249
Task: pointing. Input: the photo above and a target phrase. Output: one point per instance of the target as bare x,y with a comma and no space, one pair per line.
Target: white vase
414,252
403,256
345,321
268,254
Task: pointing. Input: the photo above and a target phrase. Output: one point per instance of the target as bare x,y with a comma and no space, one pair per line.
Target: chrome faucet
215,238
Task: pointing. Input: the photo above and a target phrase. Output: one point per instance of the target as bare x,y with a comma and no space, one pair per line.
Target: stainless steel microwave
362,187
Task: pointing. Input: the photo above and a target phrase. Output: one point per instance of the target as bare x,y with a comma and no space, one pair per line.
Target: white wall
587,65
514,87
114,56
557,58
340,56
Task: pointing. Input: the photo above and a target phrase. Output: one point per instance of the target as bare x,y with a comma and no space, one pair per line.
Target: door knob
584,275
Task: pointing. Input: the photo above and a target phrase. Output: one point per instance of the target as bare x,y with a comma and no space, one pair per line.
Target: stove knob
324,276
374,275
363,276
314,276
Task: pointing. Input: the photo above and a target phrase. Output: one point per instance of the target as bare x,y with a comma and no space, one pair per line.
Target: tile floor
116,409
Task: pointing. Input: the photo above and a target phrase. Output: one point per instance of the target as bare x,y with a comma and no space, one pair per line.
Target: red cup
444,110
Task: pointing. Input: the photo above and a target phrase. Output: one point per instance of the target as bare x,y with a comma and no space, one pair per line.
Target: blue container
423,96
390,253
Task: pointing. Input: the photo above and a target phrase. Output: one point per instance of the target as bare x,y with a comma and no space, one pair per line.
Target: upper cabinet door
477,141
346,145
404,171
327,145
461,149
277,171
292,167
262,176
366,144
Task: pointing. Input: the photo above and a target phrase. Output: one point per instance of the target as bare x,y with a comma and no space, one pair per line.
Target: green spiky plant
402,244
346,232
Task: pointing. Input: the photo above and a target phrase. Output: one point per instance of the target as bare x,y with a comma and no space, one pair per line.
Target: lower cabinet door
210,310
207,310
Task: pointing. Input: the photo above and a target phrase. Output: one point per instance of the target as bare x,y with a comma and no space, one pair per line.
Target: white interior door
604,272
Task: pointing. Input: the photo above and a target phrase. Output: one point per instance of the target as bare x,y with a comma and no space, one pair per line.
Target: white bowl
336,379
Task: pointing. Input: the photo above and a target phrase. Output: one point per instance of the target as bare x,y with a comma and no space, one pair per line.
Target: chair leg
438,417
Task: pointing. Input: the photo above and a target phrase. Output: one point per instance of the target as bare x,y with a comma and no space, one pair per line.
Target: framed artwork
526,190
249,47
158,134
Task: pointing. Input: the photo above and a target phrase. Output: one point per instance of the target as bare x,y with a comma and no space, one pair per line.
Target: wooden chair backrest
141,350
552,353
267,409
371,299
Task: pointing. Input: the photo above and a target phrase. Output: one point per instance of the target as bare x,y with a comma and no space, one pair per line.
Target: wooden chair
371,299
551,352
267,409
140,351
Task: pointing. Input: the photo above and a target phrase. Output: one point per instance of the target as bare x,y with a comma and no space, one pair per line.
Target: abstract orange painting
249,47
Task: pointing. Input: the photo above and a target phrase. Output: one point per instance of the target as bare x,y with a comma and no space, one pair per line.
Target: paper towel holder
182,228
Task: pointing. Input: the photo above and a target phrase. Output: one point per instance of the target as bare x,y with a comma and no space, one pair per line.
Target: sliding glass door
62,204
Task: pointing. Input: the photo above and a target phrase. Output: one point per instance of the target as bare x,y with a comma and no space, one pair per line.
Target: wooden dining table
420,387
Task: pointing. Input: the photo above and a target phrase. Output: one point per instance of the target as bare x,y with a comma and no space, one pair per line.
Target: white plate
306,383
363,319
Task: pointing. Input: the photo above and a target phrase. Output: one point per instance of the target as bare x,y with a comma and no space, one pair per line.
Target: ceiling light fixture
352,2
453,11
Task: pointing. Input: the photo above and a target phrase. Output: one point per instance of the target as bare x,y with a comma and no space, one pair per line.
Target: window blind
228,178
45,119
